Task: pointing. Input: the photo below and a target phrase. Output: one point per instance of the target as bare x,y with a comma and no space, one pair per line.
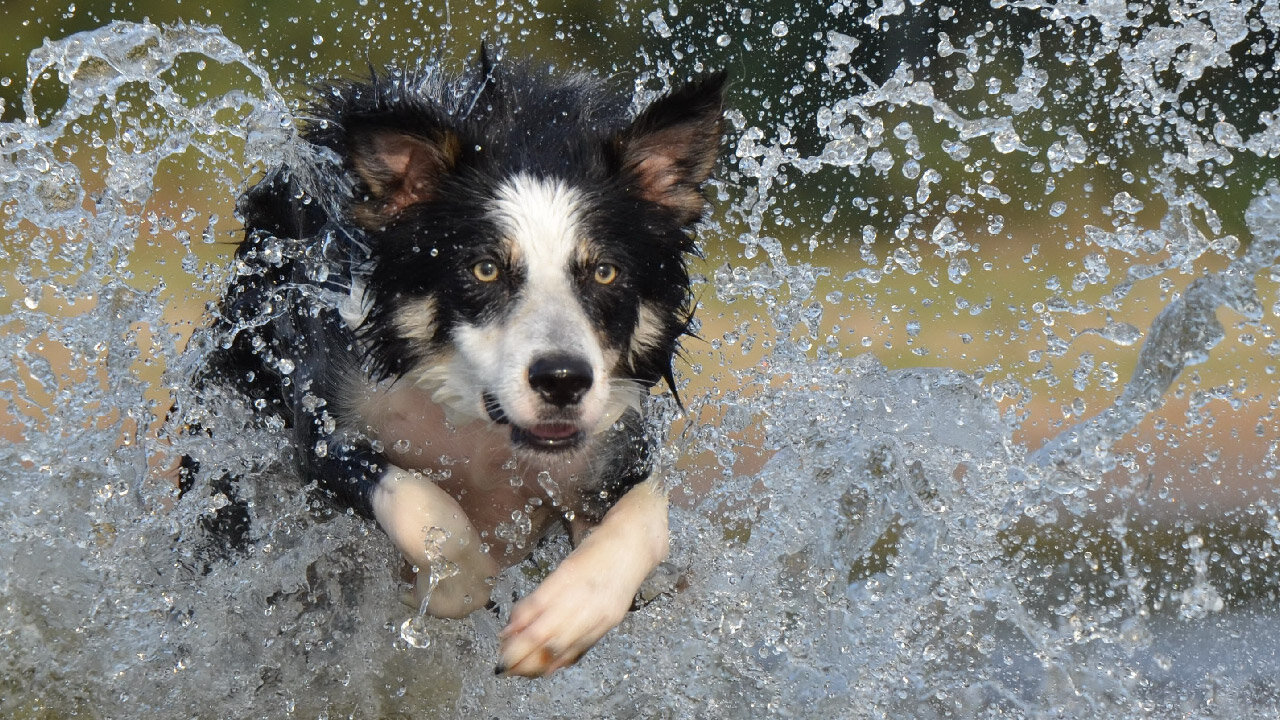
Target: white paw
589,594
431,530
555,625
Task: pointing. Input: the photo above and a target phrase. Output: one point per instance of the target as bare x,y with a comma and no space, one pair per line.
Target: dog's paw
556,624
434,534
592,589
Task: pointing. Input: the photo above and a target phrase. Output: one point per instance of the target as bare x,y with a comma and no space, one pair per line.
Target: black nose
560,379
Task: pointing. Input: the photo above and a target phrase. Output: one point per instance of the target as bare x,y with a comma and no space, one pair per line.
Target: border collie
459,306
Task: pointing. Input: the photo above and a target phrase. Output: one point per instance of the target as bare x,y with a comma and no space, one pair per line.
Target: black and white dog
460,319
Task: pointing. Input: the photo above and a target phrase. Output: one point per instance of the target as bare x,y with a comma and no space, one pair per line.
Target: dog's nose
560,379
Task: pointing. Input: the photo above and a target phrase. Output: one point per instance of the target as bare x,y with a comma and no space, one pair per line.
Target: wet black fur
283,344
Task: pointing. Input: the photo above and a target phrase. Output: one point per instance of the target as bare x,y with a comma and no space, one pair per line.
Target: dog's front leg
591,590
431,530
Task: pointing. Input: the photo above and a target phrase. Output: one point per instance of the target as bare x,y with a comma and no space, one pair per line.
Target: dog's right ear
398,168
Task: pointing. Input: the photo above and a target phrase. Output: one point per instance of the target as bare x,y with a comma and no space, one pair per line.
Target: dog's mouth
548,436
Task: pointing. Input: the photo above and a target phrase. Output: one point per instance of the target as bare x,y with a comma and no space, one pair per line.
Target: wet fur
427,394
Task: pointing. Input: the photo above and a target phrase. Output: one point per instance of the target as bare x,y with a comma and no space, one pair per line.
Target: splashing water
852,540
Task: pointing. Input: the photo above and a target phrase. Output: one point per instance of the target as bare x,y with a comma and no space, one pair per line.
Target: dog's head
527,240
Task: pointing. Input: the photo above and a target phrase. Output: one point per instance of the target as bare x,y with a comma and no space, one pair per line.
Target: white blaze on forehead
543,218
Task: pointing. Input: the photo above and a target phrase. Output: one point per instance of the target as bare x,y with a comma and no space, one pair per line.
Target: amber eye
485,271
606,273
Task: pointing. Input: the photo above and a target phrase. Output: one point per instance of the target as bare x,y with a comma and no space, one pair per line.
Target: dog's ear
671,147
399,168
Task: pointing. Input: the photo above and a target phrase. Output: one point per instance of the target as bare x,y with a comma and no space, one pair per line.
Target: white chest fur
510,498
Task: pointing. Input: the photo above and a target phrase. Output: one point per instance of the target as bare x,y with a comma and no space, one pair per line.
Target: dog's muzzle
560,380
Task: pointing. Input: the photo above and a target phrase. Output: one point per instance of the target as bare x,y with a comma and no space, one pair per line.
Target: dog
459,305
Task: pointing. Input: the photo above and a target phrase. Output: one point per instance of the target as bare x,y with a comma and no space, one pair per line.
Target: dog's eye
606,273
485,271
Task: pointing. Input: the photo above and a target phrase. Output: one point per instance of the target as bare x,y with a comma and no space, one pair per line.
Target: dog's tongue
553,431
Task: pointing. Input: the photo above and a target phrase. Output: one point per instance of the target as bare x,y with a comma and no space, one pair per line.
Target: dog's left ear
671,147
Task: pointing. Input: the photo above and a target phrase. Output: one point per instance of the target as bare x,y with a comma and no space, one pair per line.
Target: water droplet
659,24
413,632
1120,333
1126,203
